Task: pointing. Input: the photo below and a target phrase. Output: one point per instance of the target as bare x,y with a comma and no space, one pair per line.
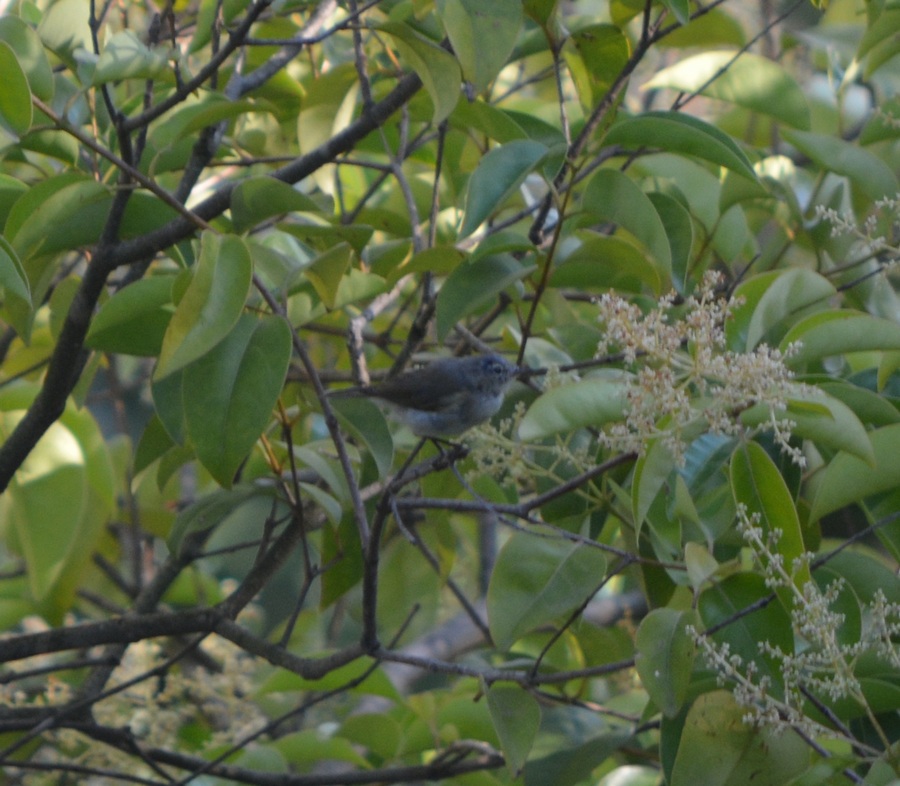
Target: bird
446,397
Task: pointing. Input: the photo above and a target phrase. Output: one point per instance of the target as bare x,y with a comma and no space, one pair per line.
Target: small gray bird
446,397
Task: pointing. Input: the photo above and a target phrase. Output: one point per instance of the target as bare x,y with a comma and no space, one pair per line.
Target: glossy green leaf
590,402
726,606
835,332
517,717
13,279
44,530
868,173
490,120
613,196
651,474
787,297
365,420
681,9
605,262
211,510
664,657
830,424
154,442
30,55
125,56
65,29
675,132
436,67
758,485
680,231
473,285
15,98
211,304
595,57
230,391
879,41
327,468
134,320
715,28
717,748
328,270
871,409
71,463
311,747
574,765
258,198
482,35
76,207
209,109
749,81
536,581
376,683
498,175
847,480
169,404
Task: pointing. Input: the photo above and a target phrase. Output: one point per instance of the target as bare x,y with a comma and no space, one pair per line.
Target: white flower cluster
823,662
684,375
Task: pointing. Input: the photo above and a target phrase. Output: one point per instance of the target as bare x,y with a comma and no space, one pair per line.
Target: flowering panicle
821,666
685,374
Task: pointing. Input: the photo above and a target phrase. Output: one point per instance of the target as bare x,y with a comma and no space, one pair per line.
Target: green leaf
125,56
590,402
680,9
836,332
613,196
680,231
488,119
879,42
604,262
848,480
230,391
65,29
211,510
258,198
786,297
758,485
832,424
497,176
651,473
30,55
739,608
474,284
436,67
15,98
517,718
366,421
134,320
718,748
71,463
376,683
12,274
327,272
675,132
482,35
536,581
868,173
664,657
575,765
75,206
44,530
595,55
211,304
749,81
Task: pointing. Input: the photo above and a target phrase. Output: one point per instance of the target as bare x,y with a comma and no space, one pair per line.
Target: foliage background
673,556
